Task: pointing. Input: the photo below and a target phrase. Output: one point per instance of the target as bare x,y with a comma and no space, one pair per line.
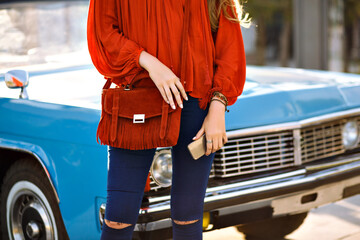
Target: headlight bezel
162,155
351,127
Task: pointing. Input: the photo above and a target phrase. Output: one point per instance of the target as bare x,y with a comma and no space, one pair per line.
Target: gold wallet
198,147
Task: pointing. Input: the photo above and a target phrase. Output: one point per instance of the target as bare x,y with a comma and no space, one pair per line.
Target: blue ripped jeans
128,171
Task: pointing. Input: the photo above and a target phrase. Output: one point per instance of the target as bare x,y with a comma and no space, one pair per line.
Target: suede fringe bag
136,117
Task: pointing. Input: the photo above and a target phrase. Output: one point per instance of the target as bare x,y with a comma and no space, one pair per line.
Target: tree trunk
285,44
261,41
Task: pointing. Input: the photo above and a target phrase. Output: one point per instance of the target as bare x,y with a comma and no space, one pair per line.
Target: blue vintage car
294,143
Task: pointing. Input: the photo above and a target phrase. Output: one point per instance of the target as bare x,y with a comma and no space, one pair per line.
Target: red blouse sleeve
229,77
113,54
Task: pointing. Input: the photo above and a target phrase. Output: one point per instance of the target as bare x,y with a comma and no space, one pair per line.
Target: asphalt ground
335,221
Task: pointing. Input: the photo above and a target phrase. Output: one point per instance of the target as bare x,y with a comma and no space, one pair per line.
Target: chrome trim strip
42,164
332,164
159,199
245,206
292,125
297,147
240,184
213,195
151,226
256,181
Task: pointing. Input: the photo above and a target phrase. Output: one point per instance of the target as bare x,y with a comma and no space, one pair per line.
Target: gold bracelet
219,100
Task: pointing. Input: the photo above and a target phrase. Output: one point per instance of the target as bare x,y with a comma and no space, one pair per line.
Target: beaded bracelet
219,100
221,96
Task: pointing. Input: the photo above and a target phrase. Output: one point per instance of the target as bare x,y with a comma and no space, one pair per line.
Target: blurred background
316,34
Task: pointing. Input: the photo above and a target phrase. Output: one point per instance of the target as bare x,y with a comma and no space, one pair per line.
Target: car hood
276,95
271,95
78,86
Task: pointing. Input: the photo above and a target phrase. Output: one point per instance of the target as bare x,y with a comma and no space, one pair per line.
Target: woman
143,39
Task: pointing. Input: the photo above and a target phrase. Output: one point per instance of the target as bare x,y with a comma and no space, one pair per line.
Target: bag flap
146,101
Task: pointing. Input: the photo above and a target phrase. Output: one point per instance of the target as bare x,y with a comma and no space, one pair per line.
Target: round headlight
350,134
161,168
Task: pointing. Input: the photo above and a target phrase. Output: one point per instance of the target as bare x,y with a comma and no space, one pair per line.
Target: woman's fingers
209,146
181,88
169,96
215,145
199,133
164,78
163,94
225,139
176,93
169,91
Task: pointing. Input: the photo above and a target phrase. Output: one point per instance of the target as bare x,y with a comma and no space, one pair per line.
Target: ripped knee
116,225
185,222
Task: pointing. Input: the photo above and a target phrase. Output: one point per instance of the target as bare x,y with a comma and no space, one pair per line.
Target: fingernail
194,138
186,98
173,106
181,106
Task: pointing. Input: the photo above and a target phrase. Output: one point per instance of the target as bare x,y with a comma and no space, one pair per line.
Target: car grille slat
227,162
267,153
255,137
254,166
236,172
245,146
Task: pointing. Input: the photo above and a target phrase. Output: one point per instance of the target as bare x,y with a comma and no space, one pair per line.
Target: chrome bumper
288,193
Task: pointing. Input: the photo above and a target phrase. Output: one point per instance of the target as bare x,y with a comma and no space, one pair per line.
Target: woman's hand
165,80
214,128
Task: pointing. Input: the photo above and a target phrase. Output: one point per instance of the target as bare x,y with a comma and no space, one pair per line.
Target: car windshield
43,32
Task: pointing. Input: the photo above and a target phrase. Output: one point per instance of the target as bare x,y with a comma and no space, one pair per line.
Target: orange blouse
118,30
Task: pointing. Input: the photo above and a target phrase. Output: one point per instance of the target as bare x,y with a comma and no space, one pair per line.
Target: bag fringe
135,136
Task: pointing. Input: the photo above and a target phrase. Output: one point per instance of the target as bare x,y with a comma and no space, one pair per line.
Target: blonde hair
215,7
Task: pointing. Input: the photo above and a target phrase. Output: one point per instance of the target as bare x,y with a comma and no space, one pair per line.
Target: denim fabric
187,231
128,170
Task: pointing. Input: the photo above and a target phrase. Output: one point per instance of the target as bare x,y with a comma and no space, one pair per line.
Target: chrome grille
322,140
255,154
212,171
246,154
